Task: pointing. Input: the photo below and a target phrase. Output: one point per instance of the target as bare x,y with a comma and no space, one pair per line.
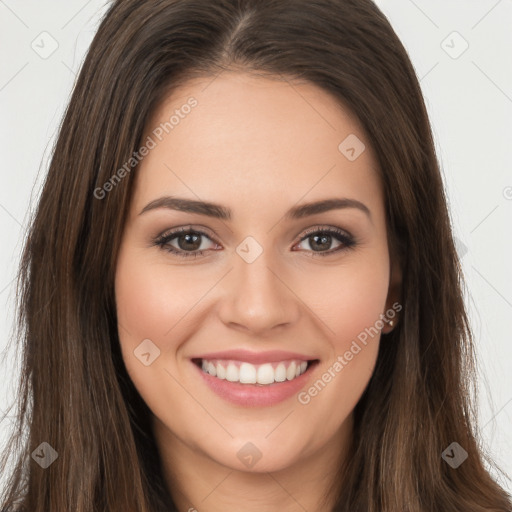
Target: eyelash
163,240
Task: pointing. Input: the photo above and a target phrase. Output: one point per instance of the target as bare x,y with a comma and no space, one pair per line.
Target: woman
258,368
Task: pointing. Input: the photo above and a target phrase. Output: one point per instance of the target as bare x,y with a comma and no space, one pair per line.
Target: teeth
290,372
221,371
280,373
232,373
247,373
211,369
265,374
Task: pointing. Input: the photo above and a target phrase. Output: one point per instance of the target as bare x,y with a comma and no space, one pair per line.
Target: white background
469,97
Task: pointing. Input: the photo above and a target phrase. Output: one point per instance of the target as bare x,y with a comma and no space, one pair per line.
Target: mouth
266,374
250,379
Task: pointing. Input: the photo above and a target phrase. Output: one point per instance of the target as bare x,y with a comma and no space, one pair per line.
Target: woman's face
283,291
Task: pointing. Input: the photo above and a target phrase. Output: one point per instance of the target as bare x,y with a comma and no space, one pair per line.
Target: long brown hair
75,393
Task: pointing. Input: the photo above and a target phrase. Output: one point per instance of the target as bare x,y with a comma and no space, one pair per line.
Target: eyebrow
221,212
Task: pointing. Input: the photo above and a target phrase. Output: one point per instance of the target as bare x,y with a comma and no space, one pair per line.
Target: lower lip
252,395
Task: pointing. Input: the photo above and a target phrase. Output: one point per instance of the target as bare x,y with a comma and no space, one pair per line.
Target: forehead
255,140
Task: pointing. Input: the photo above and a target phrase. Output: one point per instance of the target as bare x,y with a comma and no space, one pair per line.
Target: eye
188,242
322,238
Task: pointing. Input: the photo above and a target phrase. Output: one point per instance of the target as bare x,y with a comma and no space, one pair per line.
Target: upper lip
254,357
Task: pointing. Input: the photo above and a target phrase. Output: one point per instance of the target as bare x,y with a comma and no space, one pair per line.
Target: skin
258,146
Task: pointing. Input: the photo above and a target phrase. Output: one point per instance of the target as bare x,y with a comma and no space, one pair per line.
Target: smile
261,384
247,373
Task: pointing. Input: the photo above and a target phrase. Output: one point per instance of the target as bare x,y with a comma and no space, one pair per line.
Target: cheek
152,299
351,308
151,307
359,304
349,299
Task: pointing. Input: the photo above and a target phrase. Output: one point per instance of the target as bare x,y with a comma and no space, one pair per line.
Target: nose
257,297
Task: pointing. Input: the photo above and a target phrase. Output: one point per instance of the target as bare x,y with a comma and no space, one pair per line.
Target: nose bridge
258,299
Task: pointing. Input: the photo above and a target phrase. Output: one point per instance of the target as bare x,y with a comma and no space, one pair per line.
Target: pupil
324,244
188,237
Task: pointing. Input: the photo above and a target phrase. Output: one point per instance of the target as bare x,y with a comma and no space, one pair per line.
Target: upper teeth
247,373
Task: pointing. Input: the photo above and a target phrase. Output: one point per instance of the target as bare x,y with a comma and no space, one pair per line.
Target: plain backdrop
462,53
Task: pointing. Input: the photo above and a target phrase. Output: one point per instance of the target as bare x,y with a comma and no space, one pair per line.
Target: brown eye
183,242
320,240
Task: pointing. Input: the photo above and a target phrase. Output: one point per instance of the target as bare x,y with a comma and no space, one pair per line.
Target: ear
394,296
